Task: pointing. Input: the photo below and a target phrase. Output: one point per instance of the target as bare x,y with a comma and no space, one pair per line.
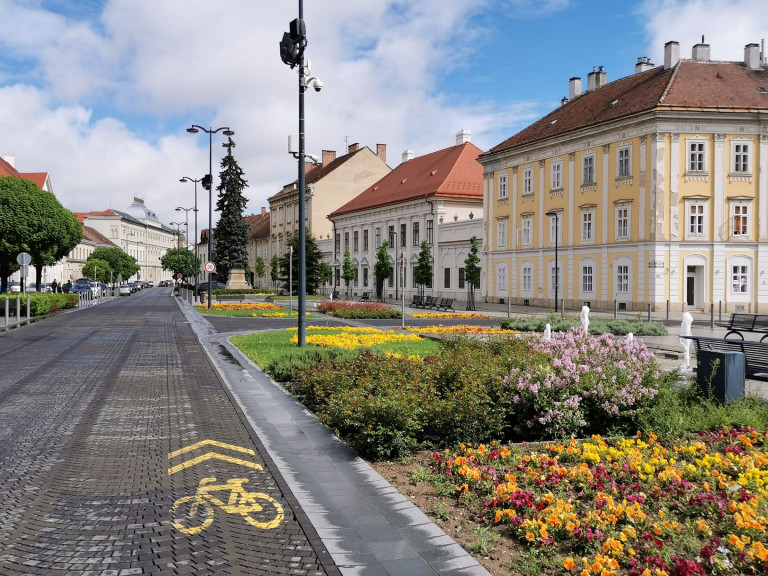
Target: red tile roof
83,215
37,178
7,170
723,86
96,236
453,172
259,225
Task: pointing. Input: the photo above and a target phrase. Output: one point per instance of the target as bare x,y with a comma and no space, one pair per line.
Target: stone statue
630,336
547,333
685,330
585,318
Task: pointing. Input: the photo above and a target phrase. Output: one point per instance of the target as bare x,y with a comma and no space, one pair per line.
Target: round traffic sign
210,266
23,259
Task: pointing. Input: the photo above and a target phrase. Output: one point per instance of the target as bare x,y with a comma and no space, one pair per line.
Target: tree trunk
471,298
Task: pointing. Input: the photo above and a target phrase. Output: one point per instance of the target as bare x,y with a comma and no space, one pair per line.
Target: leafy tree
349,270
313,261
180,261
472,272
382,269
423,272
33,221
274,270
98,270
326,273
260,269
231,234
120,262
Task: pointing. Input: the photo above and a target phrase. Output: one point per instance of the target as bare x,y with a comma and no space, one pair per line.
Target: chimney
353,147
10,159
263,210
643,63
700,52
671,54
308,167
574,87
381,152
601,79
328,156
592,79
463,136
563,101
752,56
407,155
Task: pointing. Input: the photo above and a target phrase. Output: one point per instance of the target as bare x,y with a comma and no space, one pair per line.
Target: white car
125,290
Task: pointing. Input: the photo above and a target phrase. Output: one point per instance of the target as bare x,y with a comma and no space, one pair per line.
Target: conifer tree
231,235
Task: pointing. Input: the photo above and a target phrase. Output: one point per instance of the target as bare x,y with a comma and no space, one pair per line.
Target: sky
99,93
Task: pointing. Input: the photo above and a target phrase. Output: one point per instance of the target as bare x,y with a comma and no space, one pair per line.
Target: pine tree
231,235
472,272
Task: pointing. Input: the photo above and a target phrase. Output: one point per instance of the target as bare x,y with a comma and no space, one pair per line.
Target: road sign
179,275
210,267
24,259
119,278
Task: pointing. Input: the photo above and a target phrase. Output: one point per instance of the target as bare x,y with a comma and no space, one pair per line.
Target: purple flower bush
581,382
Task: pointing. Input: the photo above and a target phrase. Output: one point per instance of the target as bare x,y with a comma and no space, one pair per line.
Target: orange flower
568,564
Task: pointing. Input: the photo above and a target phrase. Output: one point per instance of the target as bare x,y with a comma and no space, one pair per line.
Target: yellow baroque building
649,190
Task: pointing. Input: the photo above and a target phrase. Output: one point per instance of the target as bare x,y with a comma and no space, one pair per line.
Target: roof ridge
670,83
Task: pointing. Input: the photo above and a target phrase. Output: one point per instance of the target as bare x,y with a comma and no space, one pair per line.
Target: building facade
417,201
259,247
651,190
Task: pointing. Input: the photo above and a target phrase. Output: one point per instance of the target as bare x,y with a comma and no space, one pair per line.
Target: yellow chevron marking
210,443
210,456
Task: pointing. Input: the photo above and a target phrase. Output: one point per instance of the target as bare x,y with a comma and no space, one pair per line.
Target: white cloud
727,26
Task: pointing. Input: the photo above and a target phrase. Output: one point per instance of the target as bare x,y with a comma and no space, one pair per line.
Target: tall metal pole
210,213
197,238
302,322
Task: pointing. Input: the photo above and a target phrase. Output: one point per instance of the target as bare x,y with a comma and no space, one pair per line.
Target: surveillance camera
318,84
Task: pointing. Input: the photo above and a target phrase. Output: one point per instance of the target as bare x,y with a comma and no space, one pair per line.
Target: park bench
446,304
229,297
430,302
366,297
755,353
417,302
757,323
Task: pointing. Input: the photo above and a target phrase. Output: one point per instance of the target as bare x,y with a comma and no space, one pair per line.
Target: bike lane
120,453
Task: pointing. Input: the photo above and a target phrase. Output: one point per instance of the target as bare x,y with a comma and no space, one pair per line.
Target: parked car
203,286
14,287
125,290
81,288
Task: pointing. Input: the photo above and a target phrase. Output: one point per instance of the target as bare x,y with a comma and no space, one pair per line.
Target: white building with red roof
437,198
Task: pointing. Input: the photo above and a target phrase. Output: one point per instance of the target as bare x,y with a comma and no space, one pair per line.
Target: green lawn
264,347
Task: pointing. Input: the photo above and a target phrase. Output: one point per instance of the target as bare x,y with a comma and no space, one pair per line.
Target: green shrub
597,326
237,291
41,304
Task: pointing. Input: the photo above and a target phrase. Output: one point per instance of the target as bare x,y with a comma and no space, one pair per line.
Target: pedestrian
54,287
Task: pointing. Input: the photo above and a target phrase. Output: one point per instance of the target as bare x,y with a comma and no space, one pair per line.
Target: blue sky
99,92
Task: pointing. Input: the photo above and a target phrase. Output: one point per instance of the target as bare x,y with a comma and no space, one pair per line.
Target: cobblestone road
113,425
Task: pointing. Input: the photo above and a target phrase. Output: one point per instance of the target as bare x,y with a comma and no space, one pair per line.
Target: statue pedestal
237,280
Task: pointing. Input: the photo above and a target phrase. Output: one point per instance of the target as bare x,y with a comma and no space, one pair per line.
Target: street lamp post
208,185
188,179
186,230
555,215
292,53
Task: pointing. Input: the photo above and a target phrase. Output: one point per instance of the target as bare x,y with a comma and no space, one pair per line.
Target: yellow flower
568,564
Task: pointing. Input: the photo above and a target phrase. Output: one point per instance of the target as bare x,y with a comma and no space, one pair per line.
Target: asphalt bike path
122,453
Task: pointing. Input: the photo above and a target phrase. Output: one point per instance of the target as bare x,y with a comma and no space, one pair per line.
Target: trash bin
202,297
727,381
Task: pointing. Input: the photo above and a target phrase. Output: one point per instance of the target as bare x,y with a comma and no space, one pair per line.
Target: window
555,233
740,218
356,241
739,277
557,175
501,233
527,235
295,212
588,170
622,278
740,155
391,279
365,277
430,231
503,186
527,278
338,242
377,238
447,281
338,277
391,236
280,212
461,278
346,241
554,279
527,181
501,278
587,226
365,240
415,234
587,273
624,159
696,156
403,229
696,219
622,223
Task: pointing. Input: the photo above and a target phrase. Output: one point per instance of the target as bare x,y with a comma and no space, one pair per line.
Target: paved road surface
110,420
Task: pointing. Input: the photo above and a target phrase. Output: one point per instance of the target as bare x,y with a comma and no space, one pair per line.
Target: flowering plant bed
354,310
629,506
449,315
349,338
252,309
460,330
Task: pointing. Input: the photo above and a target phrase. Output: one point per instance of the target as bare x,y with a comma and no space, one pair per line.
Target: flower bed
449,315
352,310
245,306
349,338
462,329
630,506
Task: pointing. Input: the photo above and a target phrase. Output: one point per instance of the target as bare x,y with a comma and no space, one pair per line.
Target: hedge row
44,303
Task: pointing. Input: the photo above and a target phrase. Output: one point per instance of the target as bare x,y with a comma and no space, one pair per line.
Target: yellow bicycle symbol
193,514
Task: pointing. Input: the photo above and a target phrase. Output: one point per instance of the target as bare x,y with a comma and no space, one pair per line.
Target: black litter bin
727,381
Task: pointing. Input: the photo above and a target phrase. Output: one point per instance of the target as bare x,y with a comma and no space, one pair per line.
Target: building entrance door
690,291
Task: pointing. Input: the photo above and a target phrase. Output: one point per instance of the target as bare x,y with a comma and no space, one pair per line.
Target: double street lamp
186,230
556,216
207,181
188,179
